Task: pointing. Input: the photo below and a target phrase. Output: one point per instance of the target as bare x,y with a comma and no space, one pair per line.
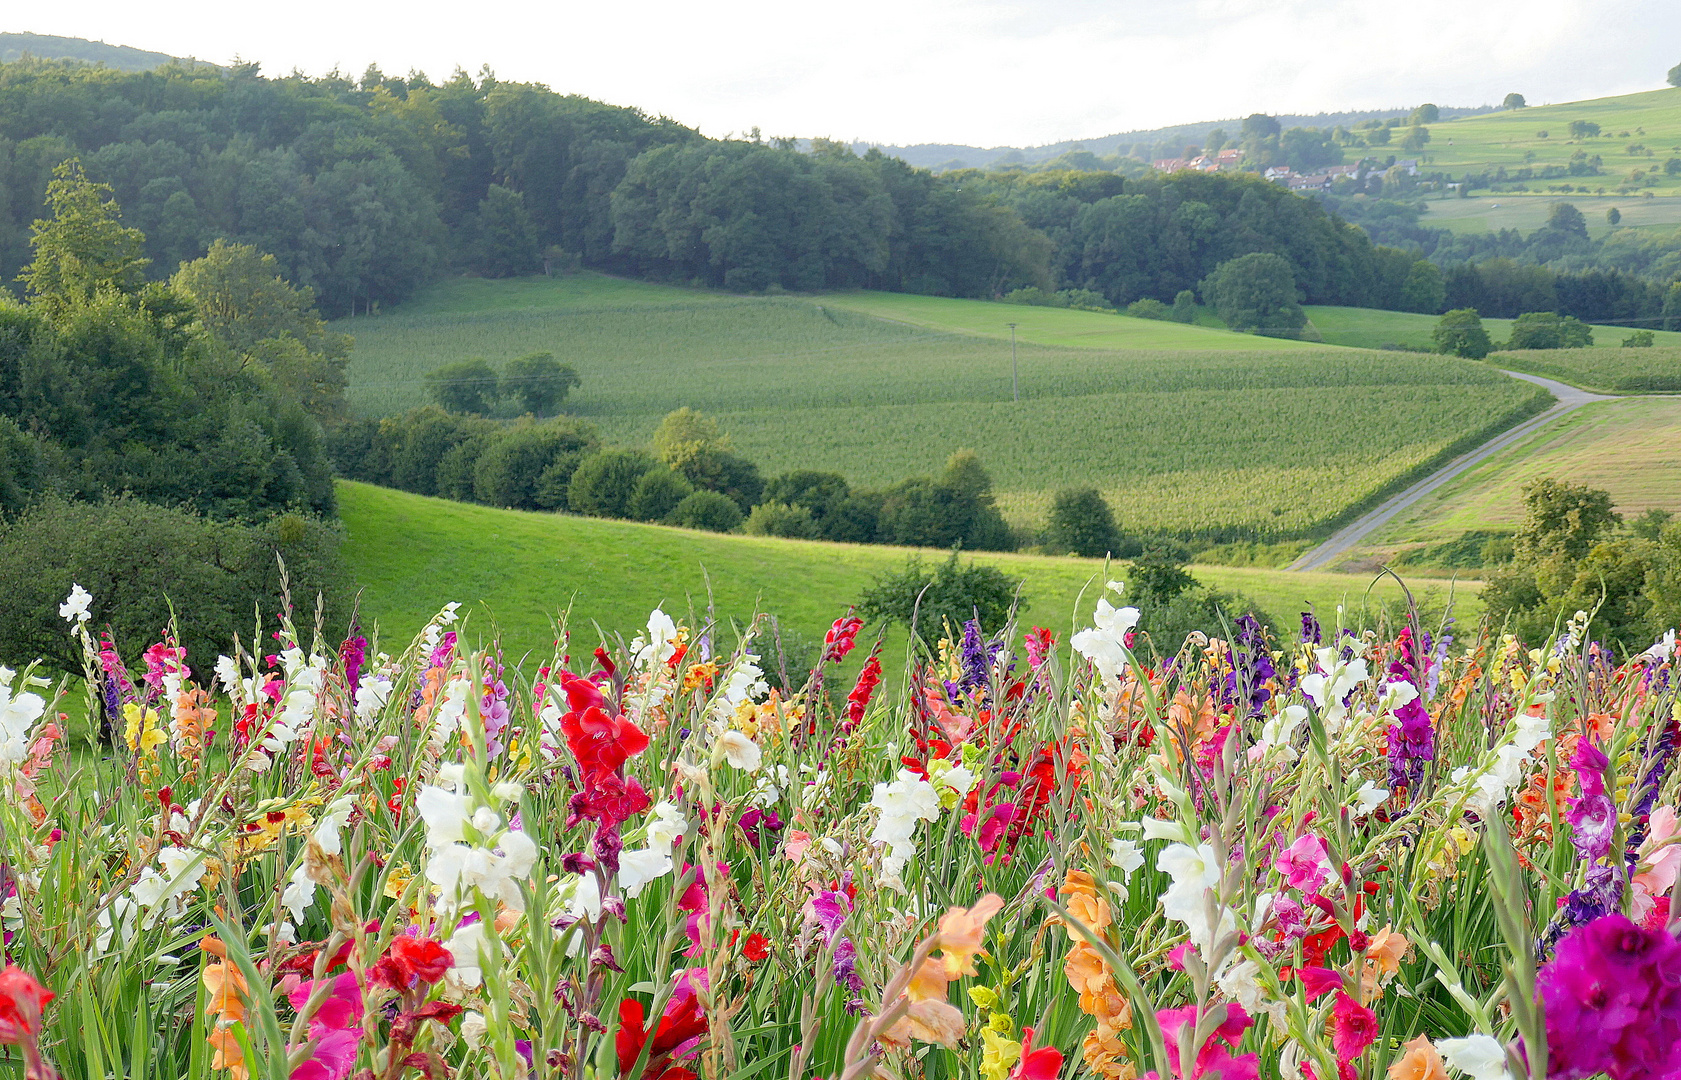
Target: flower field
1411,853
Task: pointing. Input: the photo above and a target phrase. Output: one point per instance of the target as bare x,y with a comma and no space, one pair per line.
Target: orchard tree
1460,332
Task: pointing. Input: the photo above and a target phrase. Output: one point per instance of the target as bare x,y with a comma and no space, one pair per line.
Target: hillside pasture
1631,448
1614,371
1369,328
518,571
1254,444
1651,120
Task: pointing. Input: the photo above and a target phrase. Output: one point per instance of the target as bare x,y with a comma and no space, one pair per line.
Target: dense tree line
160,442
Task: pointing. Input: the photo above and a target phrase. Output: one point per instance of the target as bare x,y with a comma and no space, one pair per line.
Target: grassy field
1370,328
1047,325
413,554
1275,440
1615,371
1527,212
1630,448
1650,120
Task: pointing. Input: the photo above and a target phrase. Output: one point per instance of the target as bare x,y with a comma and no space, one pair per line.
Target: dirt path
1569,399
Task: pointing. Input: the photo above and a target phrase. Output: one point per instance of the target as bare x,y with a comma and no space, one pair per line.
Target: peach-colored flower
962,931
1420,1062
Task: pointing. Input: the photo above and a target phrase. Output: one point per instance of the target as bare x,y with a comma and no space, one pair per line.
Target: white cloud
993,72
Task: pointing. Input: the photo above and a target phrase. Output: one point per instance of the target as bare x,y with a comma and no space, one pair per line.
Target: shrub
605,482
947,595
955,509
1082,523
856,519
820,492
780,519
1549,330
1184,307
1640,339
657,494
517,462
707,510
1148,309
467,386
142,561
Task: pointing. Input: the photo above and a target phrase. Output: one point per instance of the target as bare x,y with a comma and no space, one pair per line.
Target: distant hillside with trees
51,47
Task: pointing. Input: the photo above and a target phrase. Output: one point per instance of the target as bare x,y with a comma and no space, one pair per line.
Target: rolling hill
412,554
15,47
1368,328
1202,432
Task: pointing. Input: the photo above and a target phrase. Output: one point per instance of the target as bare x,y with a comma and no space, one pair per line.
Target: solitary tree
1255,292
1460,332
467,386
1675,75
1565,218
1082,523
1514,101
1424,114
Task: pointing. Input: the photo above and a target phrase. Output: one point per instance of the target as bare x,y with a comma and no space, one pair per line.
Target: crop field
1649,121
1615,371
1629,448
1263,442
1370,328
1528,212
413,554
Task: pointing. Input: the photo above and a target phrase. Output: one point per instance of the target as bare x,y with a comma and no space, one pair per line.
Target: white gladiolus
1331,684
902,803
1104,645
1477,1056
740,751
75,606
494,861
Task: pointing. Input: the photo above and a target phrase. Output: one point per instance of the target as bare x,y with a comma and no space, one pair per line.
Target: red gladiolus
410,961
868,680
21,1000
757,948
676,1036
841,638
1041,1064
1318,981
601,741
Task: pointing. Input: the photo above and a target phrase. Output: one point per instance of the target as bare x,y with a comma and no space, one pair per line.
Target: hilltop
16,46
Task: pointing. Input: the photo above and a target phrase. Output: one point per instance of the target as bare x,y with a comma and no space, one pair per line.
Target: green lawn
1274,440
1047,325
1486,142
1631,448
412,554
1370,328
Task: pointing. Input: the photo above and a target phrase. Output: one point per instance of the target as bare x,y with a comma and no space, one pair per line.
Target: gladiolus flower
1353,1027
1041,1064
1420,1062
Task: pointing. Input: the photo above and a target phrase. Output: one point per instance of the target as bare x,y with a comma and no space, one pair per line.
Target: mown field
1650,120
1615,371
1369,328
1629,448
518,571
1528,212
1273,440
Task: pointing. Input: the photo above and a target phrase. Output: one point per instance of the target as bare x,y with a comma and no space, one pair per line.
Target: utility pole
1015,386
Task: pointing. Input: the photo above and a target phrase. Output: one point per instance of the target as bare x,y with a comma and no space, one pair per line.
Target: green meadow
519,572
1613,371
1527,212
1275,439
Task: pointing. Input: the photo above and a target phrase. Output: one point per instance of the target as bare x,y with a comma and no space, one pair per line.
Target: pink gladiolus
1305,863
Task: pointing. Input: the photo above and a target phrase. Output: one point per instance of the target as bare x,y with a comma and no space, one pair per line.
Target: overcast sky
979,72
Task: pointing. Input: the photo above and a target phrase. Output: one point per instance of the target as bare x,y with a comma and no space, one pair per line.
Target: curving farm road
1569,399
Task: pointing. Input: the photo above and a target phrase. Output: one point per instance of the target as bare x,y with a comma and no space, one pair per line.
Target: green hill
15,47
1637,132
1182,431
411,555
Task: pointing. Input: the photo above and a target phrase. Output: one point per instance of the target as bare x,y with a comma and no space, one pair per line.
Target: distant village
1319,180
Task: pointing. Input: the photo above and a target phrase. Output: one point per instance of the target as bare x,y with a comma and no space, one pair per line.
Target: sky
968,72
